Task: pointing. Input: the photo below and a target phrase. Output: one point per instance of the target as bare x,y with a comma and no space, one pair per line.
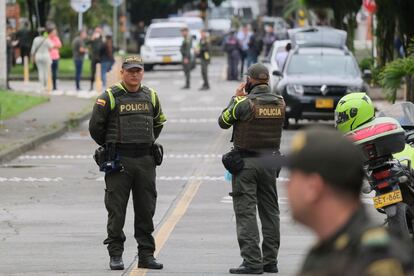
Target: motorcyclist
356,109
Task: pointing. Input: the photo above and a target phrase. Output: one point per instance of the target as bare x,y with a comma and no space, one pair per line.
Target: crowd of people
42,49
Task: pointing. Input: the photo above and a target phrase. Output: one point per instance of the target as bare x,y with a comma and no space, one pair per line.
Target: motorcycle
388,146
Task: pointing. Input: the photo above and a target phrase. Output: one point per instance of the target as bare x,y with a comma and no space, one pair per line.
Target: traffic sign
115,3
80,5
370,5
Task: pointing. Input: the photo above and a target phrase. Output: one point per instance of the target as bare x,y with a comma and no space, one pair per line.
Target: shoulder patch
375,237
101,102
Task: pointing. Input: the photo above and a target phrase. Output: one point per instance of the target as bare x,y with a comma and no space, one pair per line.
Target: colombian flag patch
101,102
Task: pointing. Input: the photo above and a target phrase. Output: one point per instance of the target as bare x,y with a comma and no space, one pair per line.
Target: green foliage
65,51
366,63
393,74
12,103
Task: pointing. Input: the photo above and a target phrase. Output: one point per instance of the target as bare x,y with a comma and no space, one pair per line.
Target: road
53,219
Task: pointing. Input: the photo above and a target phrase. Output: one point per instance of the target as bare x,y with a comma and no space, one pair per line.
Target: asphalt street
52,214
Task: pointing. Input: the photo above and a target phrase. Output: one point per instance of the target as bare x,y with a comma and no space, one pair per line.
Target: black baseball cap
258,71
327,152
132,62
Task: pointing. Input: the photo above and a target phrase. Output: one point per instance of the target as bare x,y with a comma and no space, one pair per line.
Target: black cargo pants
254,188
139,177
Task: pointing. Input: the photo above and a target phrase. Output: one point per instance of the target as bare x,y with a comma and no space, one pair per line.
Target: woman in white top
41,56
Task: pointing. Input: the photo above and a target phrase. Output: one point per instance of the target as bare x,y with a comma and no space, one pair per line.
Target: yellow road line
180,209
165,231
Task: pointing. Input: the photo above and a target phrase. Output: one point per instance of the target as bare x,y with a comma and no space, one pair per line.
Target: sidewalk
65,109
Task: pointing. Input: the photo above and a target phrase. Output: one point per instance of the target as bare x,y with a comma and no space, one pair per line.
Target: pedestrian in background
233,49
257,118
326,176
54,54
186,56
106,58
127,119
41,56
140,35
24,37
255,48
9,52
96,44
243,36
79,50
268,39
282,56
204,52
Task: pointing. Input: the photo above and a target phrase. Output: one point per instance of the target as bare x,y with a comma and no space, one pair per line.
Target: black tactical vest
264,128
131,120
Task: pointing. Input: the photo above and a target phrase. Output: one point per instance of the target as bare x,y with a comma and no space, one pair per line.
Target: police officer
127,118
186,54
205,57
257,117
326,175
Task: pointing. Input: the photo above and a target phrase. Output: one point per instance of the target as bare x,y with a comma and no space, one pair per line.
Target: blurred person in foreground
326,175
54,54
257,118
126,120
78,51
40,55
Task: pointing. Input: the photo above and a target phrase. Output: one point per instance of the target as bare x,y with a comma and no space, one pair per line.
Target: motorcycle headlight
294,89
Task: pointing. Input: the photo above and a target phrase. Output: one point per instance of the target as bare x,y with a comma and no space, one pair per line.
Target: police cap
327,152
258,71
132,62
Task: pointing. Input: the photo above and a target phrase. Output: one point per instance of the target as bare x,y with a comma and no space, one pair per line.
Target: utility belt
234,163
107,157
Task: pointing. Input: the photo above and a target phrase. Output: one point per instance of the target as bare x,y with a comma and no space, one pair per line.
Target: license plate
166,59
387,199
324,103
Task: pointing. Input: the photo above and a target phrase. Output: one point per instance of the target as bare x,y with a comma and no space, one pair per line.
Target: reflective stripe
153,97
224,120
111,98
238,100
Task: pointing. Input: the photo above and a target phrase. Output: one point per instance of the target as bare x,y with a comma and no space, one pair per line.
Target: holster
233,161
158,153
100,155
106,158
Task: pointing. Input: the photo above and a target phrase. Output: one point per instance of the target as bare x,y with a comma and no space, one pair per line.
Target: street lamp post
3,50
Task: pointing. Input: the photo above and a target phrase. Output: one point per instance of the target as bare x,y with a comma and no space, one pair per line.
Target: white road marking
30,179
88,156
192,121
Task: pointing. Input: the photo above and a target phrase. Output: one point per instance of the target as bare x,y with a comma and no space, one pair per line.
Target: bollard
49,80
25,69
98,79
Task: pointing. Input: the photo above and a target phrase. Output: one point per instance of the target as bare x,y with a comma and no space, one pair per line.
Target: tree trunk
409,88
385,31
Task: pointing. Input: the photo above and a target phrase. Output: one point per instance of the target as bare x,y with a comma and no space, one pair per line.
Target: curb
15,151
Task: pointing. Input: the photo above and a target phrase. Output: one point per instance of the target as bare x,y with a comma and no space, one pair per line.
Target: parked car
162,44
319,70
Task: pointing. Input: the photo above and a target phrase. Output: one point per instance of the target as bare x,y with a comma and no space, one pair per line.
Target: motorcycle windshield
402,112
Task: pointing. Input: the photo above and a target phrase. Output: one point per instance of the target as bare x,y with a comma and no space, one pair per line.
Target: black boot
245,269
116,263
271,268
150,263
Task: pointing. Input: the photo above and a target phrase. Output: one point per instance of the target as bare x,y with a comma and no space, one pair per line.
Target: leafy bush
393,73
66,51
366,63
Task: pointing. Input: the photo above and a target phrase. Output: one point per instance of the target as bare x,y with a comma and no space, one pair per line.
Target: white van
162,44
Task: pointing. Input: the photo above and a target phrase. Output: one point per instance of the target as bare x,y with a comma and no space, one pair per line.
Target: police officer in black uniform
126,120
257,119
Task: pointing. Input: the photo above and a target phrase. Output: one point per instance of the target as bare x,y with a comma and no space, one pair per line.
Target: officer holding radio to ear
126,120
257,118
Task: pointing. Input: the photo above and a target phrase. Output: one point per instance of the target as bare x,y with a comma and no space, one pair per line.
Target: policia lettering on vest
257,119
126,120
